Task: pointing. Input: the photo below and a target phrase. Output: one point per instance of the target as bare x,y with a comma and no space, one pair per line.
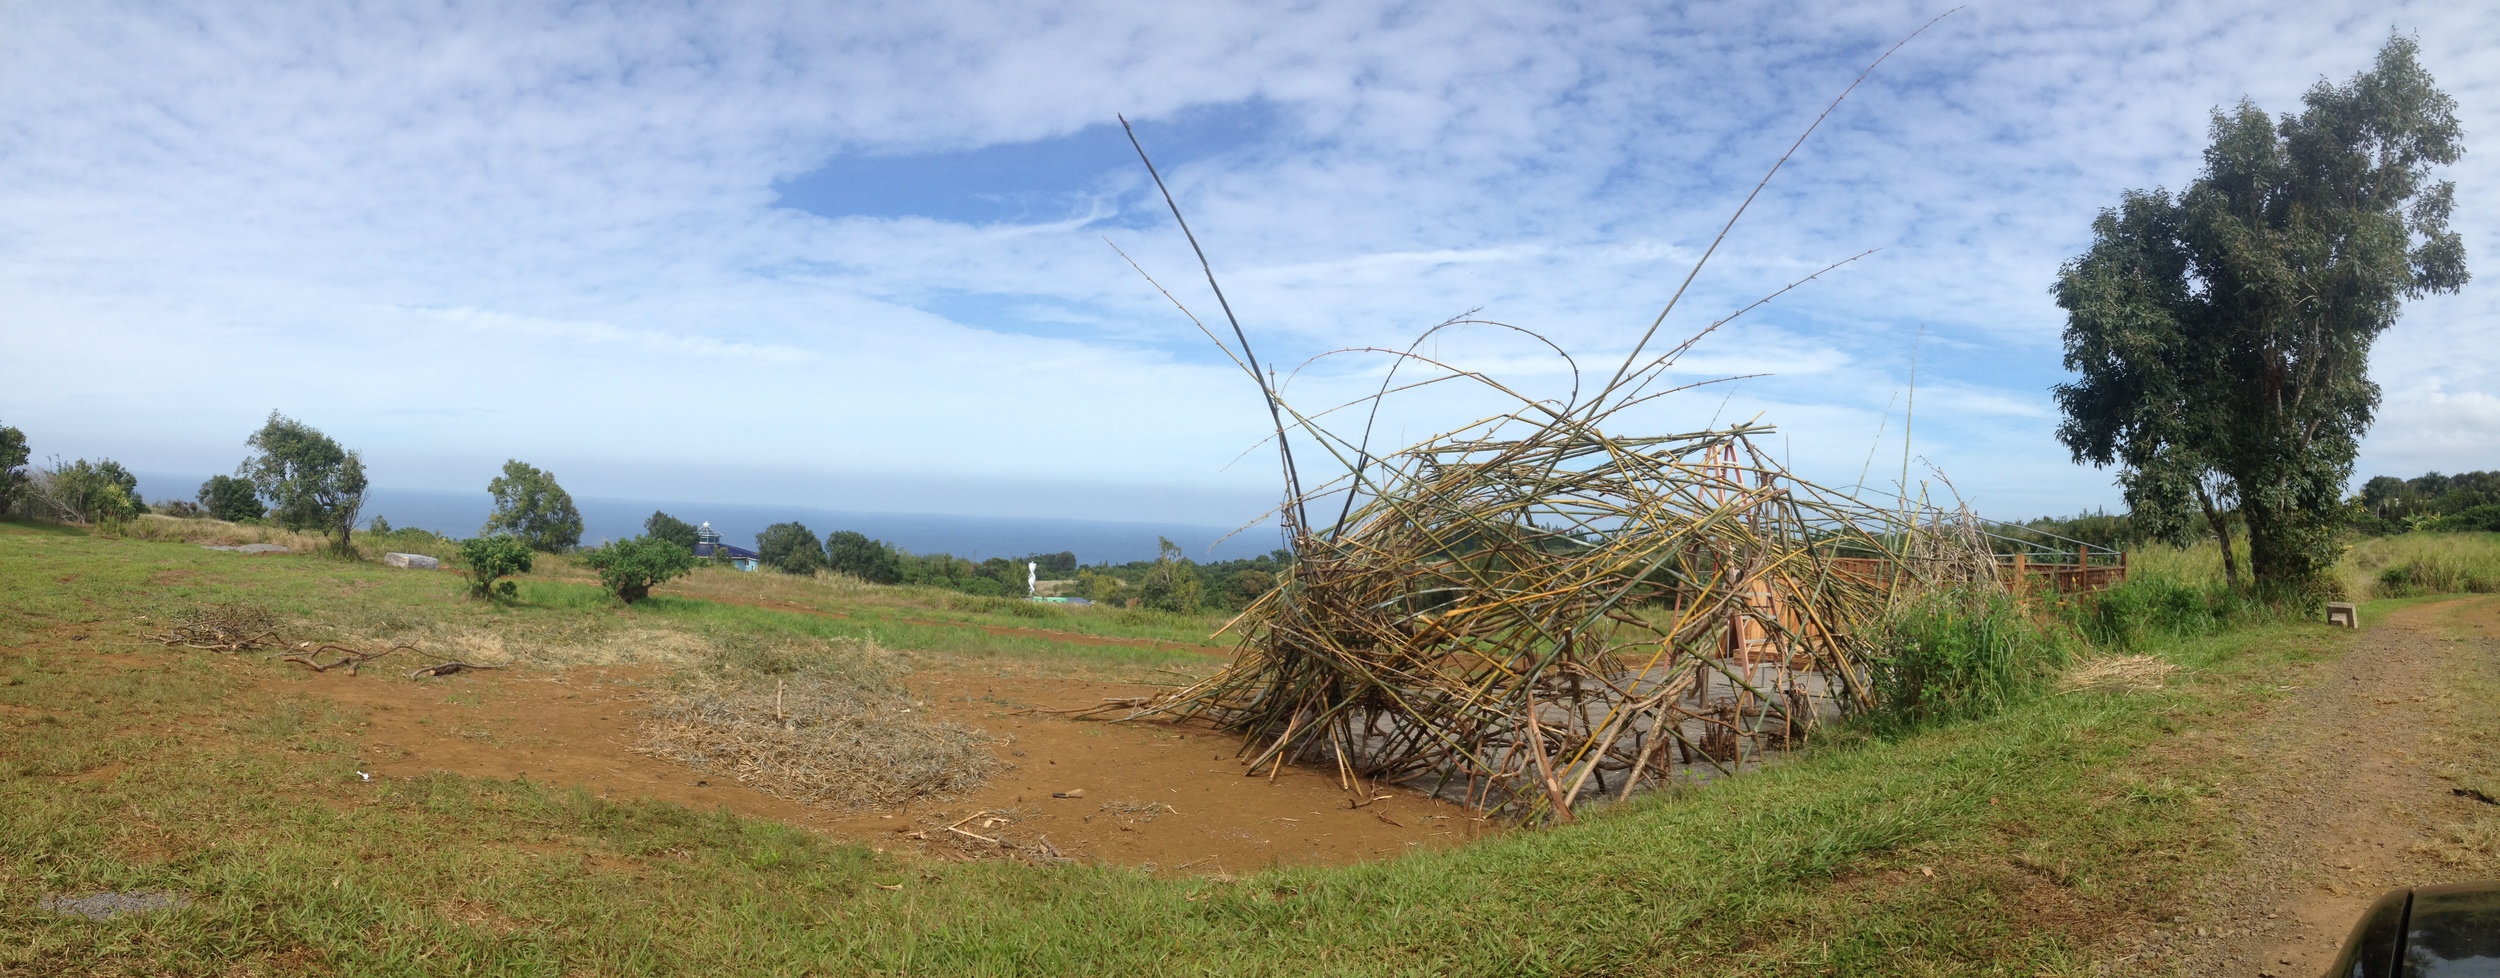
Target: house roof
725,550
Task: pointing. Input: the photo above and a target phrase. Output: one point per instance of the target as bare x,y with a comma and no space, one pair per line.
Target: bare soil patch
1138,794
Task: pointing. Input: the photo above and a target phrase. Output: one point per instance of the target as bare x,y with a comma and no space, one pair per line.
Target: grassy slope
2044,828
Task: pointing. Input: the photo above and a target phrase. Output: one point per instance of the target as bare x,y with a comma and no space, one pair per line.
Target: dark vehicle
2426,932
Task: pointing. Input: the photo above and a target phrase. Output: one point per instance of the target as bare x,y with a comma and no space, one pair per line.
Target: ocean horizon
460,514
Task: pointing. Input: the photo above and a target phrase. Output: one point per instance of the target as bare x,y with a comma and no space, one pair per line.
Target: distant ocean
976,537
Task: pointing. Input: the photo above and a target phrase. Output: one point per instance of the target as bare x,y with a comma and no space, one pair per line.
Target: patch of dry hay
820,740
2117,674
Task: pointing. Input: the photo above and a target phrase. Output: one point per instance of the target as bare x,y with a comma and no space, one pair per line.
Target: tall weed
2156,605
1962,653
2414,564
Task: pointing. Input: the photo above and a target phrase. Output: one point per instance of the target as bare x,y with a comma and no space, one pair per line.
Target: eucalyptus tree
531,507
2222,334
311,482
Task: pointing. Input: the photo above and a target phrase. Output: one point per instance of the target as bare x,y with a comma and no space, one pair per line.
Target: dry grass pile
818,739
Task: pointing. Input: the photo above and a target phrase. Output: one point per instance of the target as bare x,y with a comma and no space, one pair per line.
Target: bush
1172,584
84,492
492,558
530,505
1957,654
12,466
790,548
631,568
231,499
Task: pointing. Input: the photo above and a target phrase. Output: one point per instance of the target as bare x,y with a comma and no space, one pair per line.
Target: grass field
2015,844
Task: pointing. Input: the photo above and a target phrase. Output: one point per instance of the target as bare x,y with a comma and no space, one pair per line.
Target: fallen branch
353,659
447,669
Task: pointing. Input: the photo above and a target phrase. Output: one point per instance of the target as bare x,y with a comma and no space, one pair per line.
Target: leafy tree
1098,588
662,526
1058,566
85,492
312,483
847,552
1250,585
492,558
631,568
231,499
1172,584
530,505
12,467
2223,335
790,548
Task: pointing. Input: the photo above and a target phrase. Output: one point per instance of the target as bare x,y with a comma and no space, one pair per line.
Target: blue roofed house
707,544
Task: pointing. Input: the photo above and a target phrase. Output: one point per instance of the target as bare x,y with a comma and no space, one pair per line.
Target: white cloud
454,233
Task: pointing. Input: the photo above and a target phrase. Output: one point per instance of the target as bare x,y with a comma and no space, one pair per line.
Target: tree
662,526
629,569
311,482
790,548
1172,584
12,467
847,552
492,558
531,506
2223,335
231,499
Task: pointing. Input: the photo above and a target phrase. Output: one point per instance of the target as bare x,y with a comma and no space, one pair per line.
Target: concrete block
411,561
2343,613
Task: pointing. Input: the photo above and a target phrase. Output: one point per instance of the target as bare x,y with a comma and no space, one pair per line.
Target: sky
861,257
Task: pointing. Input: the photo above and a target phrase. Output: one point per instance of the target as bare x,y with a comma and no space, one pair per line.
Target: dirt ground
2342,797
1146,794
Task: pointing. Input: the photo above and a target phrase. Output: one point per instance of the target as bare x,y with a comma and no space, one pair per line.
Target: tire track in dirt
2342,796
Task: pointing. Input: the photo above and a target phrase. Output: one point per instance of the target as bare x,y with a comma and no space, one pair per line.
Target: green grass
66,576
2047,826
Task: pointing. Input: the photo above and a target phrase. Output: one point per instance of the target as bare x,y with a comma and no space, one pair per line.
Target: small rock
1070,793
411,561
106,906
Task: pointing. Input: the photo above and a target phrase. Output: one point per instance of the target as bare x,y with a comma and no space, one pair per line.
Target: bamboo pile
1529,623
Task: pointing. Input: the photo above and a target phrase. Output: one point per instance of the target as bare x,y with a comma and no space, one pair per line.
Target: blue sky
854,257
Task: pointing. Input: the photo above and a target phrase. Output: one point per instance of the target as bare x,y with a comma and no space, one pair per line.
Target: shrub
231,499
631,568
181,509
662,526
790,548
491,559
1956,654
1172,584
530,505
12,466
84,492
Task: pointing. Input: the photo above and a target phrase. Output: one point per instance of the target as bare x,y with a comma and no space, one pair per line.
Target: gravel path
2351,787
